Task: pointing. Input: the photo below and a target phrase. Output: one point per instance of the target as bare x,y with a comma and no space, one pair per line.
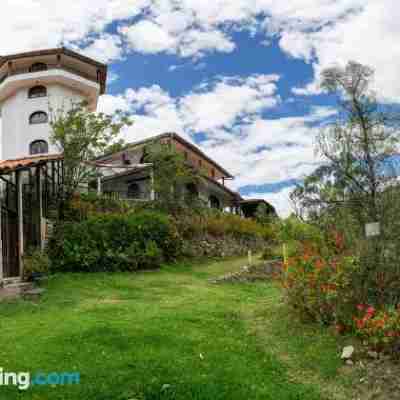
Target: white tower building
32,83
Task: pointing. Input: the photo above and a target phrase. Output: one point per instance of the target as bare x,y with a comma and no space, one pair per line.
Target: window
38,67
125,159
200,163
38,147
38,117
134,191
214,202
213,173
186,155
37,91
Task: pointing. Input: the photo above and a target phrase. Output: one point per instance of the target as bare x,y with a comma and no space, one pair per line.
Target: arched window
38,147
191,193
38,117
214,202
37,91
134,191
39,66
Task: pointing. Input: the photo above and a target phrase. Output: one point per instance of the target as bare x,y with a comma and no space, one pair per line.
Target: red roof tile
11,165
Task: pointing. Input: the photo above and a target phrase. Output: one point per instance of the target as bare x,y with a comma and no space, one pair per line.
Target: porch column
39,193
99,189
20,211
152,192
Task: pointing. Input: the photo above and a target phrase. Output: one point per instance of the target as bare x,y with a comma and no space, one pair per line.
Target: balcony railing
21,71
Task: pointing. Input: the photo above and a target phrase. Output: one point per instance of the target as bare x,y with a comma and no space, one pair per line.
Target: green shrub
36,261
321,289
218,224
114,242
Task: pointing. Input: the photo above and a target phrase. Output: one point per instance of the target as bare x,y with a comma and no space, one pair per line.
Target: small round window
38,117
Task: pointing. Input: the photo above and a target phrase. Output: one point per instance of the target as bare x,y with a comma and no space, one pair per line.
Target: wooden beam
20,213
39,193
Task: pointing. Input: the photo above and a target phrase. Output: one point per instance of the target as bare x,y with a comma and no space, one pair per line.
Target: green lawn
167,334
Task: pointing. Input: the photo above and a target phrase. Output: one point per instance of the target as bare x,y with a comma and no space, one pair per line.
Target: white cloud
148,37
28,25
105,48
369,35
319,31
219,106
196,43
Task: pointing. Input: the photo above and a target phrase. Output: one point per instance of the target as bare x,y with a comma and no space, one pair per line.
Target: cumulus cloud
105,48
222,103
47,23
320,32
148,37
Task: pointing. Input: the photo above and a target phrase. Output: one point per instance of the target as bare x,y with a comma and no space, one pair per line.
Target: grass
168,334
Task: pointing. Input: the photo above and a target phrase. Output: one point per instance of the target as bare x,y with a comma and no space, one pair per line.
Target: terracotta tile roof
11,165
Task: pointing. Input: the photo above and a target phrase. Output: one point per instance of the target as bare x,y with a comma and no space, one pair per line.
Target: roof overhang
8,166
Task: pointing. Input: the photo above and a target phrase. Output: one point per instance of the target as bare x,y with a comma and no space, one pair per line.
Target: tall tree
175,181
357,148
82,135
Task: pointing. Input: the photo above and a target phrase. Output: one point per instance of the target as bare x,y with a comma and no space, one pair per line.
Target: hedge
114,242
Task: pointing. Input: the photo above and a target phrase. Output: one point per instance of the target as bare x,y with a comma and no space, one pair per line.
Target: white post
152,192
18,181
99,189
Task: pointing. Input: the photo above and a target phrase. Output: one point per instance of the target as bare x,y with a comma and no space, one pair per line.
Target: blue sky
240,78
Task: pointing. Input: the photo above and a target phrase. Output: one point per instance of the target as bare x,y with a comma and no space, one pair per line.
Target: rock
373,354
347,353
349,363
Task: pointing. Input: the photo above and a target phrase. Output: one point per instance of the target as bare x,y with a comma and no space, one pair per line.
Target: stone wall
208,246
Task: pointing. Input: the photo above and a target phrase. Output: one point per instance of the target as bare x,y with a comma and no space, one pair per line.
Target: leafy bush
218,224
321,289
380,328
84,205
36,261
110,242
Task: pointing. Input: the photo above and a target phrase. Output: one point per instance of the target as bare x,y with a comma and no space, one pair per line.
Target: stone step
10,281
18,287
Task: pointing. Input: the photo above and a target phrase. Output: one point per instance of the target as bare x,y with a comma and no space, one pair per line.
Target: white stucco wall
16,132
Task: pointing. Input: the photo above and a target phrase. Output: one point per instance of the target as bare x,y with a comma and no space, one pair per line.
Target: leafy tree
174,180
358,148
264,215
82,135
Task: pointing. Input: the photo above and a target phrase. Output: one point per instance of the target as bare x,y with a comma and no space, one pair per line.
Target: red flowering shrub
327,289
321,288
381,328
